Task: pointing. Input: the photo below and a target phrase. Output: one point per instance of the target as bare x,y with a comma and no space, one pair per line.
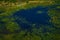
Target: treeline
9,0
14,0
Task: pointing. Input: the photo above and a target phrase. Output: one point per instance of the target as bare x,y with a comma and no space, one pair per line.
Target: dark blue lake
32,16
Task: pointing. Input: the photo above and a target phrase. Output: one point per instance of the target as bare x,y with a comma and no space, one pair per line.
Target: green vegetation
8,23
